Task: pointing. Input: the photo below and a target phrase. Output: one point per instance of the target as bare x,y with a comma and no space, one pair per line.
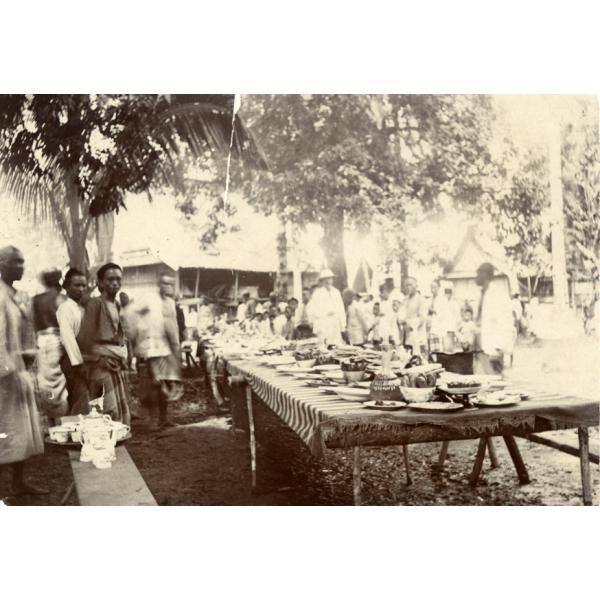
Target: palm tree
68,159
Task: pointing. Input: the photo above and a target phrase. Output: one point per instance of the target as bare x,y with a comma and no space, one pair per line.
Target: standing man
494,323
327,310
51,380
416,313
242,308
158,350
303,323
449,319
433,325
20,426
69,316
102,342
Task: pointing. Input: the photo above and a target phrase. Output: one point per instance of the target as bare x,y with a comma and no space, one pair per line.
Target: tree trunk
333,247
76,236
281,283
105,233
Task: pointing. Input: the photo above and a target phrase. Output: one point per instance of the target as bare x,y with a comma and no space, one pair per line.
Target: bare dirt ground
203,462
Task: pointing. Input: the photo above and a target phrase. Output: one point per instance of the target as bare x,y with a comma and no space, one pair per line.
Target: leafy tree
70,158
353,160
581,187
518,203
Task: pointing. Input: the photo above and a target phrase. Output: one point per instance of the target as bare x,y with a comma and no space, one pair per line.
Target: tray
72,444
459,391
389,405
496,403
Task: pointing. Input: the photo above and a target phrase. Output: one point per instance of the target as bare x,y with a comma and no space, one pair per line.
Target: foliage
69,158
517,205
581,187
348,160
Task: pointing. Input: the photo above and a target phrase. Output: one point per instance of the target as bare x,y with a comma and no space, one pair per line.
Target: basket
417,394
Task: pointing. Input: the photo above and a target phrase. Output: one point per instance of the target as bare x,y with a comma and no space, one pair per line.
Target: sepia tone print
299,299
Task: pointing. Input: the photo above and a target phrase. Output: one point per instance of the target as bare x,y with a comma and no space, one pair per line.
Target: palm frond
206,125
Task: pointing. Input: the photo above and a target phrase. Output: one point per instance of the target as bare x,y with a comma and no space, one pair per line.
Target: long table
322,420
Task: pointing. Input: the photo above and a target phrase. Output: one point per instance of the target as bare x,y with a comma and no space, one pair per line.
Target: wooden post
478,461
492,452
443,454
356,476
252,436
406,464
516,457
236,287
584,462
197,284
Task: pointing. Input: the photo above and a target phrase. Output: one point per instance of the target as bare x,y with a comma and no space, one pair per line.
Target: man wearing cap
494,322
327,311
20,426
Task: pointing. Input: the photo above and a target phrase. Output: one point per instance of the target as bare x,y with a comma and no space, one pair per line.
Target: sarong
105,377
51,381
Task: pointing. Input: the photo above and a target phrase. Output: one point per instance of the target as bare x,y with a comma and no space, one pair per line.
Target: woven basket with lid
386,386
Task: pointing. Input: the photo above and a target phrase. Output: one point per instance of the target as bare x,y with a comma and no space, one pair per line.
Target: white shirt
278,324
241,312
69,316
328,315
496,322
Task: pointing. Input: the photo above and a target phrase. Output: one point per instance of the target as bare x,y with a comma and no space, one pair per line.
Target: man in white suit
327,311
494,321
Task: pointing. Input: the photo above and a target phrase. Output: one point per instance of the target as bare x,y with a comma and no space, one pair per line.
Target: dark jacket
97,326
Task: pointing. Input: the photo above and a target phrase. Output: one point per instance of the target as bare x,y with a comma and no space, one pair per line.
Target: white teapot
97,436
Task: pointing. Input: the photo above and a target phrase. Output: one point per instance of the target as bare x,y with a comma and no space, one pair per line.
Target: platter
436,407
458,390
391,405
497,402
71,444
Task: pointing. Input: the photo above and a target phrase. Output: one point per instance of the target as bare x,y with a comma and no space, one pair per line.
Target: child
467,330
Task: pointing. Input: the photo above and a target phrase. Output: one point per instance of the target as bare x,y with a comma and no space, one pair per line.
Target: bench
121,485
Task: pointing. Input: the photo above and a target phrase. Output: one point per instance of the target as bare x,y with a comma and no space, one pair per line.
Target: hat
282,306
448,285
259,310
326,274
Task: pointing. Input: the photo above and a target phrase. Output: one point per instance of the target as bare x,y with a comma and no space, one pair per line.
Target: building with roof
462,270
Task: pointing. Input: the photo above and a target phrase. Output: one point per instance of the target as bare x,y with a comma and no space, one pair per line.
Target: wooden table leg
356,482
443,454
67,494
516,457
492,452
584,462
252,436
406,464
478,461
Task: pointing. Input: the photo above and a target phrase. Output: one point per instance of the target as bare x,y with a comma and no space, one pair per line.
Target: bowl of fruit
354,369
305,358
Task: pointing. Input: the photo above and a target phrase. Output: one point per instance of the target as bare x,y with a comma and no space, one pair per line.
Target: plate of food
436,406
352,394
497,400
459,386
384,405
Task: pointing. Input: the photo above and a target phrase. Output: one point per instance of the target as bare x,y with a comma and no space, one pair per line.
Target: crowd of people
440,323
80,343
83,341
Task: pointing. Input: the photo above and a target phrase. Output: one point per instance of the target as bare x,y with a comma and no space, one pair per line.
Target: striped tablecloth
321,419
